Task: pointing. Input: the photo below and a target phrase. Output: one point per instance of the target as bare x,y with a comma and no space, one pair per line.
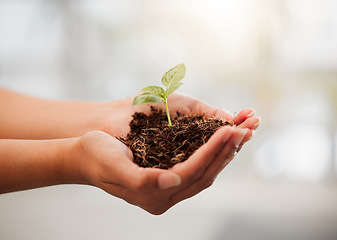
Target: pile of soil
156,145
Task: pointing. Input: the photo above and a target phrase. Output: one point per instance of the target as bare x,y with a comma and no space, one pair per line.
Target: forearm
27,164
24,117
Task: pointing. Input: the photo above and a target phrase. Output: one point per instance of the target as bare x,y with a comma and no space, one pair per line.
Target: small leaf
172,88
173,76
154,90
153,94
145,98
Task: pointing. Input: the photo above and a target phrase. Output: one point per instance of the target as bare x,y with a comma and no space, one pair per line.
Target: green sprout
153,94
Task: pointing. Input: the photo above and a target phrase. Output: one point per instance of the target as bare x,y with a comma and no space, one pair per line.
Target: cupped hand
108,164
118,114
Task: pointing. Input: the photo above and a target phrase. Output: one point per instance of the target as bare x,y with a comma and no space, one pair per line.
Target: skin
45,142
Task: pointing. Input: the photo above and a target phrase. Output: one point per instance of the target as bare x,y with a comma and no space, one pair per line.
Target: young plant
153,94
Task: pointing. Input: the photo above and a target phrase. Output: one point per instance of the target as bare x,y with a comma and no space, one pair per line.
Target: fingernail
239,137
228,134
168,180
252,113
257,124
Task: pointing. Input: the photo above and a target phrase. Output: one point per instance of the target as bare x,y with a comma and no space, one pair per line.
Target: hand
107,163
118,114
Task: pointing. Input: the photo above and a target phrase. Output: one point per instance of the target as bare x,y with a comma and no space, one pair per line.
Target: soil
156,145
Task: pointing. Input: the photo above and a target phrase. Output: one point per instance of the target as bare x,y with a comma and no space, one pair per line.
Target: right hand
105,162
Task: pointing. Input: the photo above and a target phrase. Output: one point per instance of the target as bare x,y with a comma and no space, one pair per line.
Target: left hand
118,114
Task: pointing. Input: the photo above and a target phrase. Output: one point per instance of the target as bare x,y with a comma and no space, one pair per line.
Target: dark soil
156,145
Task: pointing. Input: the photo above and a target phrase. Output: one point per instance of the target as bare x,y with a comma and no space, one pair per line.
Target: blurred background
277,56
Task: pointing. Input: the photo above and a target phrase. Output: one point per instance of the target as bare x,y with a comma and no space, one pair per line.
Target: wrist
71,161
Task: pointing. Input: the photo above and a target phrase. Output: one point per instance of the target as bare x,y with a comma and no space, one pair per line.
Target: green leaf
172,77
154,90
146,98
172,88
153,94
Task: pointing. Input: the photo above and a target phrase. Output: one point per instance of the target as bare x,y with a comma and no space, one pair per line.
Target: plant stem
167,113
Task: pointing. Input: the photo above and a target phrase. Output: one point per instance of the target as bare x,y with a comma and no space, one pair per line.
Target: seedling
154,94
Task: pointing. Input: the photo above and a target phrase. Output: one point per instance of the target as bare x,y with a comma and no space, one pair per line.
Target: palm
117,124
140,186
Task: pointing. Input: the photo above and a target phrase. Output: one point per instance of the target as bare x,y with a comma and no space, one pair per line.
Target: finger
221,160
243,115
247,137
118,168
228,153
251,123
188,170
210,111
216,112
190,105
144,180
196,165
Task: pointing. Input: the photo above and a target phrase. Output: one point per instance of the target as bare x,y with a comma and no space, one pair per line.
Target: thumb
128,174
140,179
121,170
168,179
